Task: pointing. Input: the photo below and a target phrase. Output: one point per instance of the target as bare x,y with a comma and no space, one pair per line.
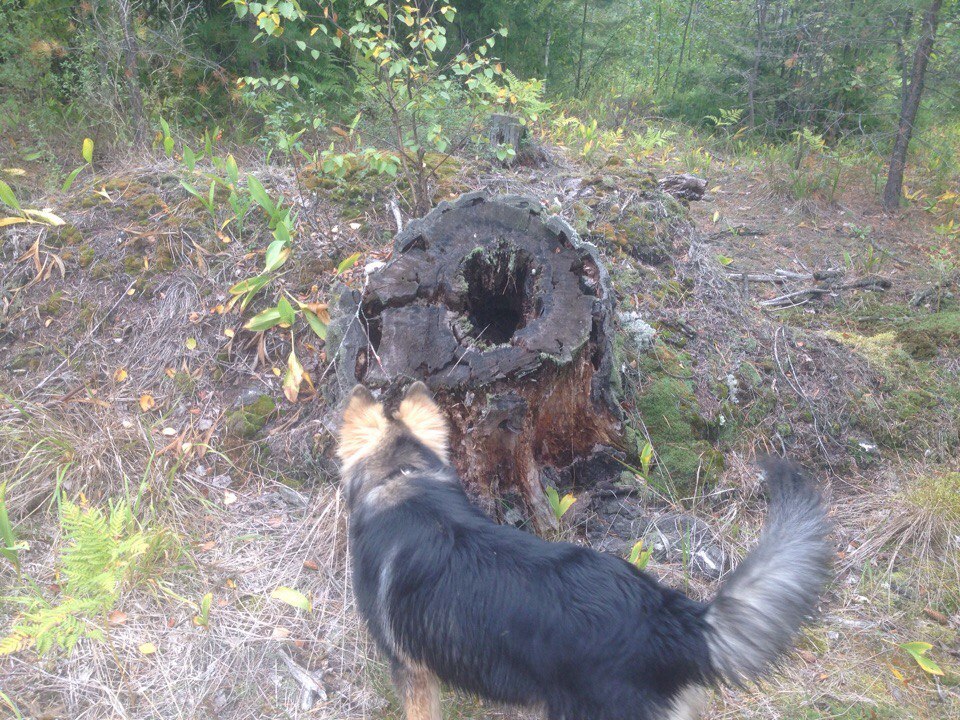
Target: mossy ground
815,382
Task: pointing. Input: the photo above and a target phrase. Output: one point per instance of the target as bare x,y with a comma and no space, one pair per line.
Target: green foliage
104,553
9,547
639,557
559,505
430,98
918,651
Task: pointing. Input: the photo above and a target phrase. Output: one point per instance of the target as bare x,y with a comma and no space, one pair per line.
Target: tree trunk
683,43
583,37
132,83
908,114
762,6
546,59
507,317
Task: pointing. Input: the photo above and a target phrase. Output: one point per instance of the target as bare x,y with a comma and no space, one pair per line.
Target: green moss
67,234
53,304
248,420
148,205
926,338
939,496
670,414
162,259
882,352
86,256
102,270
749,376
27,360
133,264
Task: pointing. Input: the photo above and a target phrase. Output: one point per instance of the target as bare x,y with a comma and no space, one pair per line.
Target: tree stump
683,187
507,317
506,130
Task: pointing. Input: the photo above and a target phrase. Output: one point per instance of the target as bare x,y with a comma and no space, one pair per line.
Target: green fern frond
104,553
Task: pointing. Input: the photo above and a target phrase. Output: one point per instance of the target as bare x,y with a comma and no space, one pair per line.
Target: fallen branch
312,689
739,231
800,297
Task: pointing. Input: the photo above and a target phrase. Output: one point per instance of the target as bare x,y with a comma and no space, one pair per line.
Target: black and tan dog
452,597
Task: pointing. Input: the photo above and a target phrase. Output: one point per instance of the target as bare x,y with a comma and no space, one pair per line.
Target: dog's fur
451,596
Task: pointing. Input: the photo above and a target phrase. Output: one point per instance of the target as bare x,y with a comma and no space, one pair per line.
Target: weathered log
506,130
684,187
507,316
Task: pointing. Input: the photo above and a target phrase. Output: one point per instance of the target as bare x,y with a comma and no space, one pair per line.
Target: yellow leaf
44,216
147,403
120,375
148,648
191,343
293,378
292,597
16,172
229,332
11,221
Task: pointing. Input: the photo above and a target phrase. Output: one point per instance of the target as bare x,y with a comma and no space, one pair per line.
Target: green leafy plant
202,618
24,215
559,505
86,151
918,651
397,53
104,553
165,138
9,547
639,557
646,457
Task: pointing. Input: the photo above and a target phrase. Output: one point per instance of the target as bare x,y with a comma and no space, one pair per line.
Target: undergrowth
103,553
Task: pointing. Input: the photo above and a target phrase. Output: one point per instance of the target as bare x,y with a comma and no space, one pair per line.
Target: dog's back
498,612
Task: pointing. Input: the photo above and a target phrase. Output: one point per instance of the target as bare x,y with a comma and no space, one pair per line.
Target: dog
450,596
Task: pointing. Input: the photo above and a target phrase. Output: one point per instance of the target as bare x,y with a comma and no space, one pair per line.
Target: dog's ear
364,425
424,419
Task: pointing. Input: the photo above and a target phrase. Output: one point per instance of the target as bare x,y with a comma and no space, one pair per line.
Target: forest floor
123,375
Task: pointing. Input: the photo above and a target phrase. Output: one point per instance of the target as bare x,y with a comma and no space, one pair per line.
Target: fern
105,552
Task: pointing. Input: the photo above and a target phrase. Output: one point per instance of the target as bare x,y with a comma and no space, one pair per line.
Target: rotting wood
507,316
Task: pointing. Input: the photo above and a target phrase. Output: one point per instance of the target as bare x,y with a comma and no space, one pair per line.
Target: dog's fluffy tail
766,600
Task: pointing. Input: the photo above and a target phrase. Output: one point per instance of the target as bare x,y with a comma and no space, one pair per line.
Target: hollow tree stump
507,317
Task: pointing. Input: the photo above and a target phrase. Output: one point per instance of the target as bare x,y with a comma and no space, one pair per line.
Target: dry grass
250,524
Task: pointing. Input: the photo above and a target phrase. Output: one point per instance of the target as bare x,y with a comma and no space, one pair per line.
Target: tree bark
898,159
762,6
683,43
583,37
130,51
507,317
546,59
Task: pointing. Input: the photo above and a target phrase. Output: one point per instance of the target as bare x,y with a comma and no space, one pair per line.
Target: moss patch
246,421
53,304
669,411
928,337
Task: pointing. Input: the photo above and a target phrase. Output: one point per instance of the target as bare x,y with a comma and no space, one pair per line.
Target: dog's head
375,446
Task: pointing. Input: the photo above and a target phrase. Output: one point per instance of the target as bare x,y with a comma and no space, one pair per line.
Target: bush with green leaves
427,97
104,553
